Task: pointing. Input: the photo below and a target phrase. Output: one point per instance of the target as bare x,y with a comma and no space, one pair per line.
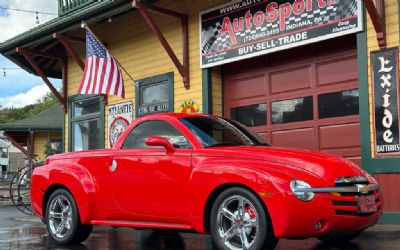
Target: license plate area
366,204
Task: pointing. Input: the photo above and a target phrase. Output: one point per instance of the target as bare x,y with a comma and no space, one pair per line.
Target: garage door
305,98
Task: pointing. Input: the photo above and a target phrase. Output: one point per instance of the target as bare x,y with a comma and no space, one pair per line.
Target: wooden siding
390,182
216,87
392,36
40,140
390,190
134,45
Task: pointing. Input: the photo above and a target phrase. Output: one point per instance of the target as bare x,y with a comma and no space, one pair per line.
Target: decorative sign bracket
377,14
29,54
183,68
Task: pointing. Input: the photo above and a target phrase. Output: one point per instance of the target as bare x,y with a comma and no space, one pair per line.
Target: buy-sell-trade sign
248,28
385,78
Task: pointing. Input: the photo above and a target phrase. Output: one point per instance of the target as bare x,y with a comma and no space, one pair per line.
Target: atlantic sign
119,118
248,28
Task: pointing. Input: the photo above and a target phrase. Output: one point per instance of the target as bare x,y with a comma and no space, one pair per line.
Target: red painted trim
28,56
377,15
16,144
65,42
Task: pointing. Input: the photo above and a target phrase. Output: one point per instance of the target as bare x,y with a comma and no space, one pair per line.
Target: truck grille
345,203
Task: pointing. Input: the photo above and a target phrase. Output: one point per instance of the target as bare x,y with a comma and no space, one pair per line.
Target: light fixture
37,18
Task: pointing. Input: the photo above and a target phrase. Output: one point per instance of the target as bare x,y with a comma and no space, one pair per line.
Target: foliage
48,150
13,114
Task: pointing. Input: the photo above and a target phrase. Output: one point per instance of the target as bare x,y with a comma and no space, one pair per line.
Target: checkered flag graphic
213,41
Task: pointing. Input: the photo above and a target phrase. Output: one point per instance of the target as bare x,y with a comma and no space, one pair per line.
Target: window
86,123
86,107
137,137
293,110
216,131
155,94
338,104
54,146
251,116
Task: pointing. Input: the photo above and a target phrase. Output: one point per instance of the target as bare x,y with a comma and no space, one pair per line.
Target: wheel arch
78,182
51,189
217,191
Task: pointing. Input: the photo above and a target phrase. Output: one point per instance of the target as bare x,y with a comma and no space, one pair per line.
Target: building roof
51,119
41,36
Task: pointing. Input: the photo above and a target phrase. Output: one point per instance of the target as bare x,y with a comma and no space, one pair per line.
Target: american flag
102,74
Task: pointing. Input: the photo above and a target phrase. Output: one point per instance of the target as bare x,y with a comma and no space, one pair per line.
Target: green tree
14,114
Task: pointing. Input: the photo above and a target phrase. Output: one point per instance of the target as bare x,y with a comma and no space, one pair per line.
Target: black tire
84,233
339,238
63,221
252,224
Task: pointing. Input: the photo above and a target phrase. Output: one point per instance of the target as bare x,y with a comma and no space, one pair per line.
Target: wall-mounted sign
119,118
385,80
244,29
189,106
153,108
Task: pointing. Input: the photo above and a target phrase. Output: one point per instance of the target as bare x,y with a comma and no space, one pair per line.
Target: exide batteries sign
384,64
244,29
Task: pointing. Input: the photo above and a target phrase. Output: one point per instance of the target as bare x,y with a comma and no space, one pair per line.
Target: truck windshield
216,131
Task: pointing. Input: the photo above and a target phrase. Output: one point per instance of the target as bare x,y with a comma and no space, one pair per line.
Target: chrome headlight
301,195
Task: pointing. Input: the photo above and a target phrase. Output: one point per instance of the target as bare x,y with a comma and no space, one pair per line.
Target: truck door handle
113,166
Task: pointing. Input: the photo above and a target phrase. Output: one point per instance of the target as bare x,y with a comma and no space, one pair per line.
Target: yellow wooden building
299,73
37,137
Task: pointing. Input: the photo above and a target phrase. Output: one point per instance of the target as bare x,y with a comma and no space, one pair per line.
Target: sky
19,88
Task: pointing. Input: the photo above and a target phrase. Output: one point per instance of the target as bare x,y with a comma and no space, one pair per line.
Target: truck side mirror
160,141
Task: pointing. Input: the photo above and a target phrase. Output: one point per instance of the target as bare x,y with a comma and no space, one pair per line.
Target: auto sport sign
385,80
248,28
119,118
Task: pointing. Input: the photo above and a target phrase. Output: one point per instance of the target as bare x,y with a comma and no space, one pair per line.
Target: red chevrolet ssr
208,174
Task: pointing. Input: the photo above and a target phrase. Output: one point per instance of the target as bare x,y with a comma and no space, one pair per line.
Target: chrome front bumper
356,188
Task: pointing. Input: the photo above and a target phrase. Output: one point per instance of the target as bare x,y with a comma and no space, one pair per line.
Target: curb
5,203
28,219
382,232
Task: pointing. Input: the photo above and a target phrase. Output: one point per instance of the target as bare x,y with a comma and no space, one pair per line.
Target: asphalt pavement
18,231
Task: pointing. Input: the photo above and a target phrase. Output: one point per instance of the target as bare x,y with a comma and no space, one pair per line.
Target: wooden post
65,82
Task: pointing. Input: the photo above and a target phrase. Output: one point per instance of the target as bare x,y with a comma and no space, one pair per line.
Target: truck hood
326,166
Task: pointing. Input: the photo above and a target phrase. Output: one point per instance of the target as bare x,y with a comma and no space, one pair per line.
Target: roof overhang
41,38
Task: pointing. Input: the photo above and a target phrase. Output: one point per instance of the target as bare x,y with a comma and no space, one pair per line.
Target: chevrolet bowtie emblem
362,189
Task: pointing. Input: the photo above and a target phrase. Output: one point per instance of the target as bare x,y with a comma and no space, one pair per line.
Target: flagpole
85,26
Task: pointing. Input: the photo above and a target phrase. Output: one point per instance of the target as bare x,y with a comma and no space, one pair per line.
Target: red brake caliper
250,211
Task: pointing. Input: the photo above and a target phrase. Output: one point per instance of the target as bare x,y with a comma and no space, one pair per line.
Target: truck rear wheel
63,221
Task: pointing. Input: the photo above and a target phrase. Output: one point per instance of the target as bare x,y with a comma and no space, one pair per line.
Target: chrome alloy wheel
238,223
60,216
